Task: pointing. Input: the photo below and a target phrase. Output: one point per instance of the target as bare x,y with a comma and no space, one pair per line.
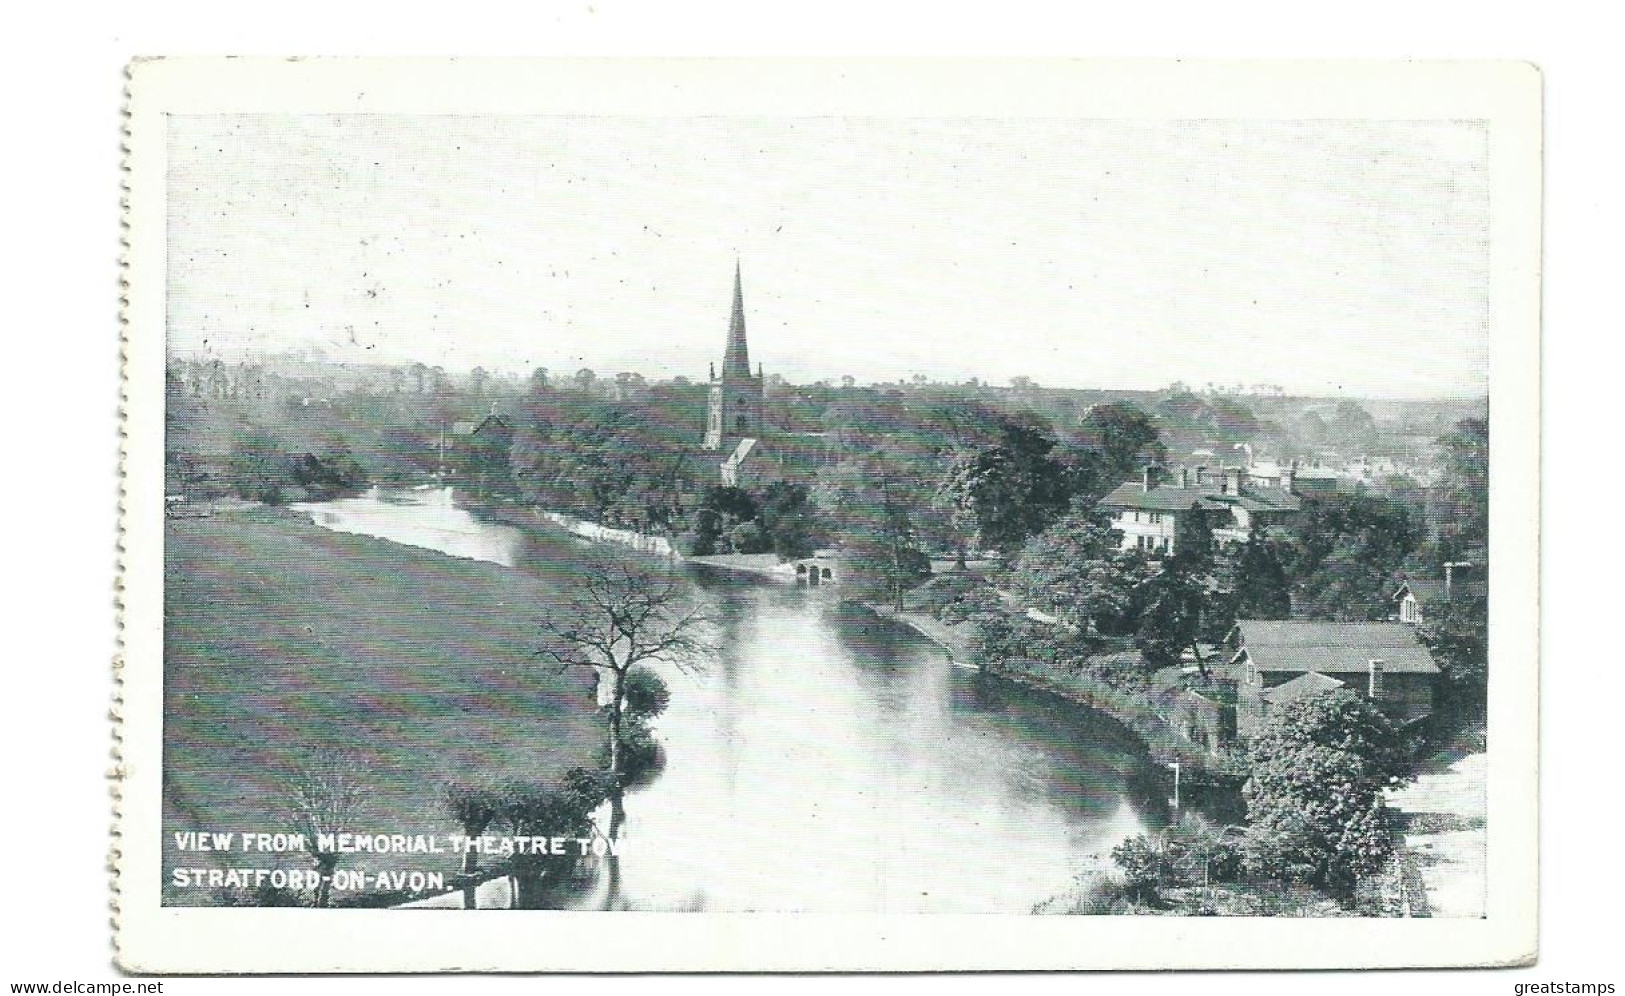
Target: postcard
691,515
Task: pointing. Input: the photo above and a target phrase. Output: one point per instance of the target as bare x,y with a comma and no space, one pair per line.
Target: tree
1177,603
735,505
488,458
1075,570
1148,863
786,513
1351,427
329,475
870,498
324,791
1110,445
1344,552
1171,606
1319,767
1461,501
618,615
539,811
259,467
1261,587
1457,633
1002,493
749,537
475,808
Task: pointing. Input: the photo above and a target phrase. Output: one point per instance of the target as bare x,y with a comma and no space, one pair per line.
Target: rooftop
1304,685
1333,647
1432,592
1173,498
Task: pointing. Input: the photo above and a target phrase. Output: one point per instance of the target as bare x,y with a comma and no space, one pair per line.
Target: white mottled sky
1321,256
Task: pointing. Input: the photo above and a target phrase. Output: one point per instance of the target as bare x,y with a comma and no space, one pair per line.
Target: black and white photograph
1082,516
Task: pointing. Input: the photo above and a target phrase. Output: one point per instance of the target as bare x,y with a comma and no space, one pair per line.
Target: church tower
735,408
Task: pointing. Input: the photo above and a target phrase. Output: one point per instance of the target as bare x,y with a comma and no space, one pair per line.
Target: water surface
826,760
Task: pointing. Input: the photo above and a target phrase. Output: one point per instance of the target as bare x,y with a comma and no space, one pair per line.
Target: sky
1342,257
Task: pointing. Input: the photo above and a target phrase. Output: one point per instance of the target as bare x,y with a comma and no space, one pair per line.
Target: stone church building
735,408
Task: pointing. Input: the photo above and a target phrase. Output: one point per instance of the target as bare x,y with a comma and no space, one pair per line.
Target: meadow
281,637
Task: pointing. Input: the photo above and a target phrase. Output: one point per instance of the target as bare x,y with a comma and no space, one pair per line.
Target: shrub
540,810
640,751
748,537
695,544
646,694
1094,894
1148,865
954,598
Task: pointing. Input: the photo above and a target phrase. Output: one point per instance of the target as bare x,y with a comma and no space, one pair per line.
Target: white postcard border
151,938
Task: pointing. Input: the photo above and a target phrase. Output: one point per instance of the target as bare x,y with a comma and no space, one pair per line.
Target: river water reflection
826,760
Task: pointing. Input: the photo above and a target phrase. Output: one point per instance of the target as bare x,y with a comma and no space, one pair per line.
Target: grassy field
280,636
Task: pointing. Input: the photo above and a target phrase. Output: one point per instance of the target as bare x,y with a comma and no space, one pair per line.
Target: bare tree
623,614
324,790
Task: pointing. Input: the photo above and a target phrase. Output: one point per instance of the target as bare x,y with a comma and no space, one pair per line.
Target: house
731,467
1148,513
1299,480
1414,598
1275,662
1410,597
483,450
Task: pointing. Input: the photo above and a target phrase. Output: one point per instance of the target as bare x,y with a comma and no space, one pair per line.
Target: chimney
1374,687
1145,477
1450,573
1184,477
1289,477
1201,472
493,408
1232,480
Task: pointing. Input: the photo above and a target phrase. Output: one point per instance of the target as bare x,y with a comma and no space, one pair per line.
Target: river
828,761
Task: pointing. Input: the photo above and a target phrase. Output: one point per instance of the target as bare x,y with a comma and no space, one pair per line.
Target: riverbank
1162,741
762,565
552,523
281,636
959,644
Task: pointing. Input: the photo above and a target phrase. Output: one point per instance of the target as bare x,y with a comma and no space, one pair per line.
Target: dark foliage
1314,803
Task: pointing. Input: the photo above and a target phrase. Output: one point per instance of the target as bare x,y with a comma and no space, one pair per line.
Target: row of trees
260,469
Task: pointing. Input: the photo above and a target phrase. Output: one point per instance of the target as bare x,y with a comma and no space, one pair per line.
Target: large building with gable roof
1148,512
1276,661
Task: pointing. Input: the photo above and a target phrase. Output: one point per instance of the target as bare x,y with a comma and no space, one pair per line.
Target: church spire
736,361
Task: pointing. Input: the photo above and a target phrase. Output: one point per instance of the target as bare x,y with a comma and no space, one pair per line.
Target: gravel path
1445,833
